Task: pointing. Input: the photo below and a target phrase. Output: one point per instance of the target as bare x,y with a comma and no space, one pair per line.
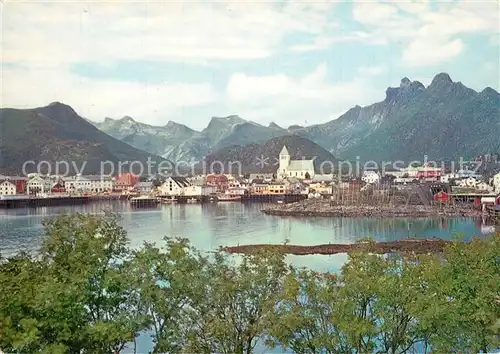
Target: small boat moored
171,200
228,198
143,201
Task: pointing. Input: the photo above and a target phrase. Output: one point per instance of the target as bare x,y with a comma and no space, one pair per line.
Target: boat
228,198
192,201
143,201
171,200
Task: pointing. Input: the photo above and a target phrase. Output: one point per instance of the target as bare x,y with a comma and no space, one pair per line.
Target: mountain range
178,142
56,133
445,120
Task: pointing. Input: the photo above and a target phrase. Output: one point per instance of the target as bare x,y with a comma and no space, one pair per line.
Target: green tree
308,315
169,284
461,298
240,301
75,297
20,278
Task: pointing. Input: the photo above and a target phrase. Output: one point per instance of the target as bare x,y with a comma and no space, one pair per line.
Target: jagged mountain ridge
180,143
444,120
57,133
263,158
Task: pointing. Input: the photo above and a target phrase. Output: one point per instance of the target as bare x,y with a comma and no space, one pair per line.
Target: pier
43,202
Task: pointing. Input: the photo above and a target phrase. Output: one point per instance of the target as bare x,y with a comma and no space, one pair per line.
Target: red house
442,197
126,181
219,181
58,188
427,172
19,182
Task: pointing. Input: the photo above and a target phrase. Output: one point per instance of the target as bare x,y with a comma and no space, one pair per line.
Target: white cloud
371,70
429,36
97,99
45,39
66,32
289,100
323,42
423,52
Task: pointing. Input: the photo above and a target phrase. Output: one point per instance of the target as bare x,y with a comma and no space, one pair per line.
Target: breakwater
325,208
406,246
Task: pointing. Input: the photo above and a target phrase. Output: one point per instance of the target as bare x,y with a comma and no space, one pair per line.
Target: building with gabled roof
173,186
303,169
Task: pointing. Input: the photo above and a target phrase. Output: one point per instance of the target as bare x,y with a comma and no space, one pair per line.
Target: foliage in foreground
87,292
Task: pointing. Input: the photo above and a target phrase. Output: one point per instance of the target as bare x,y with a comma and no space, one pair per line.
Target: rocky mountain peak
127,119
441,80
407,89
490,92
274,125
59,111
405,82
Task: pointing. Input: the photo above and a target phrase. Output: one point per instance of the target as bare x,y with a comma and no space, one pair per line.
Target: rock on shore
406,246
323,208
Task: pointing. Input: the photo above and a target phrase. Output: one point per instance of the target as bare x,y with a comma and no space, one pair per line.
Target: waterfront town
293,180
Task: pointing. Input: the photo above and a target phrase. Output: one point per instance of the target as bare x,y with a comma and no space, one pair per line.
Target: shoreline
405,246
322,208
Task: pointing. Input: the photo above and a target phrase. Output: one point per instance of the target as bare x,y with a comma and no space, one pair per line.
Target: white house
37,184
76,184
100,183
370,177
195,191
144,187
173,186
496,182
303,169
86,184
7,188
483,186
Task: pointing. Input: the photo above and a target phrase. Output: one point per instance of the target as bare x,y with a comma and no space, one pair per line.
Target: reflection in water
227,224
209,226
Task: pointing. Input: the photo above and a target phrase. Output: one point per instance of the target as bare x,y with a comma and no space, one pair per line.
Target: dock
30,202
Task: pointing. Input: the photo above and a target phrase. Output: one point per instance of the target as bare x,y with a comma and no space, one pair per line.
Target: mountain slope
57,133
180,143
444,120
263,158
172,141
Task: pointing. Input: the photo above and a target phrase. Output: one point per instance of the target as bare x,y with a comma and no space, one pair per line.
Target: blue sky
287,62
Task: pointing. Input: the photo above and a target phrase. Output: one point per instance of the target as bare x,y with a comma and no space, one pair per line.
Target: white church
303,169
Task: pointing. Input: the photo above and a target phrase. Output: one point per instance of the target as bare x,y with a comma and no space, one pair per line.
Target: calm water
227,224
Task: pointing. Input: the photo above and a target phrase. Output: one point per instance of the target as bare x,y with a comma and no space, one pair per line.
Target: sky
288,62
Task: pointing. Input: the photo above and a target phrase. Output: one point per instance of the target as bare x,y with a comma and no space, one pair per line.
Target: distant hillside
444,120
255,158
57,133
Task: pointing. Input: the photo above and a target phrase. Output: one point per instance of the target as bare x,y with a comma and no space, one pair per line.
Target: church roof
301,165
284,151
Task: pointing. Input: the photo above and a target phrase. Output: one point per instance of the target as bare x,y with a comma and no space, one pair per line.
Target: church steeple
284,160
284,151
